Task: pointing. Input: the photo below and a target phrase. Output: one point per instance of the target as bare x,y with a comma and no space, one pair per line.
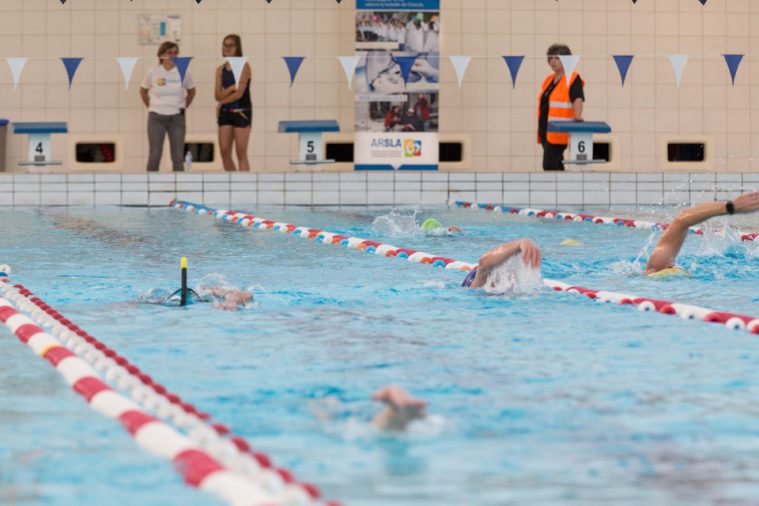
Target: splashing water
513,277
398,223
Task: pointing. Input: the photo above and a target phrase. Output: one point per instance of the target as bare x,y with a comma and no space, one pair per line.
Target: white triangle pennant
127,64
349,64
678,62
569,61
17,67
460,64
237,63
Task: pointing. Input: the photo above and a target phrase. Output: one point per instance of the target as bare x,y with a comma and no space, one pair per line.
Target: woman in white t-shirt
167,96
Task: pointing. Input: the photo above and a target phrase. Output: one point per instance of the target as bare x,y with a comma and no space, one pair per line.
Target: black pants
553,156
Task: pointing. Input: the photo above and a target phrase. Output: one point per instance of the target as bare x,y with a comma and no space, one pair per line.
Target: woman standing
167,97
234,108
558,102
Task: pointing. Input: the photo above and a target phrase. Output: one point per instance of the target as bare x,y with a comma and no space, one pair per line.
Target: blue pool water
542,399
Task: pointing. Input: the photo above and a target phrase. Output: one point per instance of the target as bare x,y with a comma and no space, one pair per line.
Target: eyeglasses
230,44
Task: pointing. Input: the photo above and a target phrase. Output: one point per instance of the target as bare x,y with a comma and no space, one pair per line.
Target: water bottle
188,161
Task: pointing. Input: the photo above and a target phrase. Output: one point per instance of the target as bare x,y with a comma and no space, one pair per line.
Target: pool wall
361,188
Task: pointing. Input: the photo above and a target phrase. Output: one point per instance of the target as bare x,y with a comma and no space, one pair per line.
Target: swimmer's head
5,270
668,273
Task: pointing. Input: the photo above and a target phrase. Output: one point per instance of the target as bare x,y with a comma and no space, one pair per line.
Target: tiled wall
240,191
499,120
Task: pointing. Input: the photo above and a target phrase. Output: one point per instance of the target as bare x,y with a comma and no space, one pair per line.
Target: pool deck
602,189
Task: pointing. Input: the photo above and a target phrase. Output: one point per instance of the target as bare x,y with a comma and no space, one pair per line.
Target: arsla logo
412,148
386,143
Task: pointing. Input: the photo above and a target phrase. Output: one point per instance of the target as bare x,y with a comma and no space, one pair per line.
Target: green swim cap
431,224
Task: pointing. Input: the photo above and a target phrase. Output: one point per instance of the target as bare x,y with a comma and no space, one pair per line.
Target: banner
397,84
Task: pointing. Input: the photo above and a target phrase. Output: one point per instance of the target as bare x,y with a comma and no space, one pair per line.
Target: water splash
398,223
513,277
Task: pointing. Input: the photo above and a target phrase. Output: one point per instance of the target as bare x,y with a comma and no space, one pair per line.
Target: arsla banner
397,84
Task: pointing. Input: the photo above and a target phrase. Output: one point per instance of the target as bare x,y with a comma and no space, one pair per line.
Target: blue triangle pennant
733,62
182,62
71,65
405,62
293,65
514,63
623,62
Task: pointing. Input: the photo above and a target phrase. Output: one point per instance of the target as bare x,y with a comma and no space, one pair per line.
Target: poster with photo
397,84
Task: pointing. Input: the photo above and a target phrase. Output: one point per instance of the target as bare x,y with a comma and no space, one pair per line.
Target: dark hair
166,46
558,50
238,43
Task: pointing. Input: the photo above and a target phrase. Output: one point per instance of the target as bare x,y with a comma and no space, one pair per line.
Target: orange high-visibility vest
559,107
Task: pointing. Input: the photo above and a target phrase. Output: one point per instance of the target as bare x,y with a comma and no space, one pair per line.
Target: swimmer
665,253
229,298
400,409
531,257
434,227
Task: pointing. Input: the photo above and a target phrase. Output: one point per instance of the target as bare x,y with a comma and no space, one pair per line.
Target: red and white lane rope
685,311
586,218
206,453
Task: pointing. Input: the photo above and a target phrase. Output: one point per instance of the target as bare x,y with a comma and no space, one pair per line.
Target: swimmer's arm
672,240
400,409
530,256
237,92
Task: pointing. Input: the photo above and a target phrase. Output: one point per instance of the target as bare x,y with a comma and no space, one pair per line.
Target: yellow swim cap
668,273
570,242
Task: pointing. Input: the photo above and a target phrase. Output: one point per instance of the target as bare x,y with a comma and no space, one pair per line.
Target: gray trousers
158,126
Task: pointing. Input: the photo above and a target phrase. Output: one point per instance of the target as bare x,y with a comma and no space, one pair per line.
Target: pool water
547,398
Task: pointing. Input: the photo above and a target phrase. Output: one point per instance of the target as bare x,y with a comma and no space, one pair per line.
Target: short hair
166,46
238,43
558,50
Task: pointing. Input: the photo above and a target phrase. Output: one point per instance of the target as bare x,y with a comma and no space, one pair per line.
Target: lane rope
207,454
685,311
585,218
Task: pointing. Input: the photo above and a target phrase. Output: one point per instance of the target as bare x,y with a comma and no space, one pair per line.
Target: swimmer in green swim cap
662,261
432,226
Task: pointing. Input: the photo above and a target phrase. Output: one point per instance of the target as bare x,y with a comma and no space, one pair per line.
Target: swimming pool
548,398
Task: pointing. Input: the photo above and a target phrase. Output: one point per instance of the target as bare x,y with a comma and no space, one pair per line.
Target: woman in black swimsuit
234,108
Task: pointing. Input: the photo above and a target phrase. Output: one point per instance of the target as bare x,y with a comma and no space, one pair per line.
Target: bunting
238,64
460,64
514,63
71,65
623,64
349,64
127,63
293,65
17,67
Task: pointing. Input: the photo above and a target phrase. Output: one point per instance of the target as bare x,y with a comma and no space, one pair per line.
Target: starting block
310,134
580,139
39,141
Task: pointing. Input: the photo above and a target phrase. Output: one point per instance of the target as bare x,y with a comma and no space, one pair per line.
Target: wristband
730,207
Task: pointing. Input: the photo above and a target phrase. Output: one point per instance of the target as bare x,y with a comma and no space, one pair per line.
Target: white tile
649,177
519,198
243,198
331,186
158,177
542,186
595,178
107,178
624,197
650,197
624,177
217,186
492,186
467,177
436,186
26,187
81,198
516,186
212,198
353,177
272,197
326,198
298,177
190,196
626,186
702,185
434,176
249,186
381,186
729,177
543,177
267,186
380,177
673,198
189,186
488,176
217,178
26,198
108,198
404,176
673,177
160,186
569,198
81,187
134,198
134,187
244,177
750,177
516,176
26,178
108,187
8,187
183,177
703,178
353,198
328,177
134,178
489,197
298,186
543,198
594,198
568,186
298,198
649,187
53,178
53,198
434,198
380,197
6,199
408,186
407,197
699,198
462,186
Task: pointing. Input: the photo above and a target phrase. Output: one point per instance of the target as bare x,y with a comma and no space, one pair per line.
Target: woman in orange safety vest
558,102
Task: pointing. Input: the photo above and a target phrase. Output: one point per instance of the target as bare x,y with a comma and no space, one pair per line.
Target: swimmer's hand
400,409
746,203
531,255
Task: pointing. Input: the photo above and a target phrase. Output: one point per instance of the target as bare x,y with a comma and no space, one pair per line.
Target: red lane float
223,463
587,218
685,311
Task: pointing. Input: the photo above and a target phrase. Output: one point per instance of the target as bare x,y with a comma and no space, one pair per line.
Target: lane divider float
206,453
584,218
685,311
